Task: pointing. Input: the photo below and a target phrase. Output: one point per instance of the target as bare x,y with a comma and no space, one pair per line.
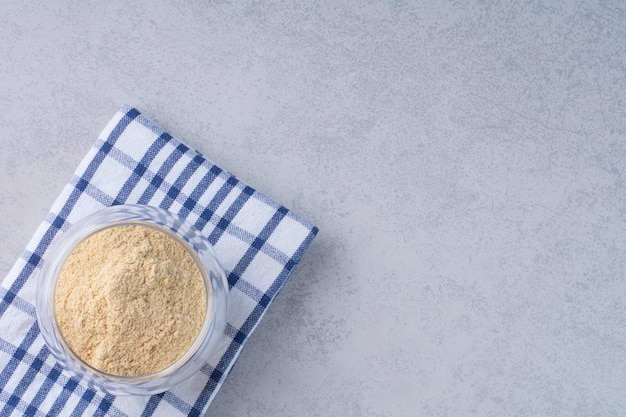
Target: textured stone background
465,163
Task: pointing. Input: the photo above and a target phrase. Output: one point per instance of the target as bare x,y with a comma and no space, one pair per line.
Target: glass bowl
213,275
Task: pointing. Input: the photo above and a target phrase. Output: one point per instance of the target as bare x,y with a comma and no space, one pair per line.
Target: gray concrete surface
464,161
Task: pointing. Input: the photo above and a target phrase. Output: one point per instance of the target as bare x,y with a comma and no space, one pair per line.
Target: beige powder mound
130,300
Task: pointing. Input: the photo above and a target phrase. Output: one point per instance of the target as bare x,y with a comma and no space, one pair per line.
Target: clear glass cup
212,273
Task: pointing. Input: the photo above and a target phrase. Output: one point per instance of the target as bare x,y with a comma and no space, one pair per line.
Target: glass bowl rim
204,256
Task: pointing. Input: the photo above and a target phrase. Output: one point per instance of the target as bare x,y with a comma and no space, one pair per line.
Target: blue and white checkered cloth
258,241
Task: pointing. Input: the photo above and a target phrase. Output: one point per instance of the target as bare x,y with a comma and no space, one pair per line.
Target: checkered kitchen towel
258,241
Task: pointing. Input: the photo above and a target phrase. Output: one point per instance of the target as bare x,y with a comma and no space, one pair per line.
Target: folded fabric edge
148,123
305,245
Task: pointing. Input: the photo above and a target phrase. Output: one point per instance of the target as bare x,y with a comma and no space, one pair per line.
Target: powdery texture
130,300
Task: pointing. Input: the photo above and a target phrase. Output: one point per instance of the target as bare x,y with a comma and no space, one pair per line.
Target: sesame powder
130,300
